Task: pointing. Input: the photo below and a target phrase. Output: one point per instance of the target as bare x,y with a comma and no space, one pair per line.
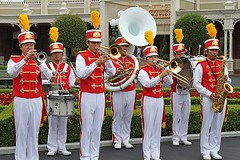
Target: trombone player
90,66
123,101
180,99
181,105
152,78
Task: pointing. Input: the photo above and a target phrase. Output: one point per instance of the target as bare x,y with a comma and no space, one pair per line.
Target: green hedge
7,137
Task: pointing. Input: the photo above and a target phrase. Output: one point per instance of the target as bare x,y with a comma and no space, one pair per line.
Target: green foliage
164,52
73,129
194,29
3,67
72,31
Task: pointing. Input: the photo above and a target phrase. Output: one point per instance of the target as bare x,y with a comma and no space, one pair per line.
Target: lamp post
114,25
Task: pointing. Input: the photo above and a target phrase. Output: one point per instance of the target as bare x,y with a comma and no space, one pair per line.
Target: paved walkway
229,151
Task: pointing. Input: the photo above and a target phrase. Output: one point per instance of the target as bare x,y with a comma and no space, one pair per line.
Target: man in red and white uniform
65,78
90,66
181,104
152,78
27,91
123,101
205,80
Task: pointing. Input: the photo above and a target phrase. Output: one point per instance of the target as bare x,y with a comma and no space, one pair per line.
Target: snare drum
61,104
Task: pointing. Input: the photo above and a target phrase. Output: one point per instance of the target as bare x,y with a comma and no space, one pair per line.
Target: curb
76,145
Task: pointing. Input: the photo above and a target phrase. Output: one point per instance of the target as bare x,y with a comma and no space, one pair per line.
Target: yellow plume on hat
24,22
95,16
178,35
149,37
54,34
212,31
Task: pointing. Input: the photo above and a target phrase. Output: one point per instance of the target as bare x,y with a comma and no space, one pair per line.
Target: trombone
114,52
175,66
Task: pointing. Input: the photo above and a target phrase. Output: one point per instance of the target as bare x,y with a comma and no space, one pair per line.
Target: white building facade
42,13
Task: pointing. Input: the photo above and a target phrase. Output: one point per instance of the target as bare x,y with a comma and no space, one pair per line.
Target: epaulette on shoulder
84,51
15,56
202,60
143,66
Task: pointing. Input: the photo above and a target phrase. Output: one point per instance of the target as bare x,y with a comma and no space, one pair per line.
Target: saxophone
222,88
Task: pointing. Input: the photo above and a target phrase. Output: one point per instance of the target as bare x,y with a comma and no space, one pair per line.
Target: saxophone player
206,75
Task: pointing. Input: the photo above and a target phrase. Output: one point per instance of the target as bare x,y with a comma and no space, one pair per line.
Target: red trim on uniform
201,108
80,120
111,100
171,104
142,108
44,113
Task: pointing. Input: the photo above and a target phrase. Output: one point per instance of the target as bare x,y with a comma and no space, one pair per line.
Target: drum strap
65,68
59,79
54,70
52,67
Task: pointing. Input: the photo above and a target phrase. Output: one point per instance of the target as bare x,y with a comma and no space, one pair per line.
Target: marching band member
90,66
65,78
206,76
27,91
123,101
151,78
180,100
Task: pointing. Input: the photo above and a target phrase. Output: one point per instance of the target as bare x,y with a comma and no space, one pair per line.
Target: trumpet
40,57
175,66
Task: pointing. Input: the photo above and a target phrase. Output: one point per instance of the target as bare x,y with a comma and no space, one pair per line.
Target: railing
20,1
39,1
66,1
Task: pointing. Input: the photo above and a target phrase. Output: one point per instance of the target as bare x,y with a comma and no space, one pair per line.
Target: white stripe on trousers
27,117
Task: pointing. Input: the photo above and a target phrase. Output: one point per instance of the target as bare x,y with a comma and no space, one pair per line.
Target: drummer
180,101
65,78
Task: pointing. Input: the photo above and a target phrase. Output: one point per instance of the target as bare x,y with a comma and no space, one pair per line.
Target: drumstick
74,70
199,49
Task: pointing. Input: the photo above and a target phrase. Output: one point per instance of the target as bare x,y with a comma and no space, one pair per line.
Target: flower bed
6,96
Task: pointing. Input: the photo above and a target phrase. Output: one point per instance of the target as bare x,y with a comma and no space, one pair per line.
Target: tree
72,31
194,29
164,52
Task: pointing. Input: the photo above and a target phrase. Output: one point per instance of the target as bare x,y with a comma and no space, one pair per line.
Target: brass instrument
40,57
222,89
175,66
114,51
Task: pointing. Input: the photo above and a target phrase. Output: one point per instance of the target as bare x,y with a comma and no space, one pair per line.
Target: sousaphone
133,23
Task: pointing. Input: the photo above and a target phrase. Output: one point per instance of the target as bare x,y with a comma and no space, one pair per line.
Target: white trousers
122,108
91,119
57,133
27,117
152,112
181,106
212,122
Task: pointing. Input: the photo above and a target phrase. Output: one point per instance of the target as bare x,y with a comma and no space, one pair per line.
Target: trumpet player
123,101
205,79
181,104
27,77
90,66
152,78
